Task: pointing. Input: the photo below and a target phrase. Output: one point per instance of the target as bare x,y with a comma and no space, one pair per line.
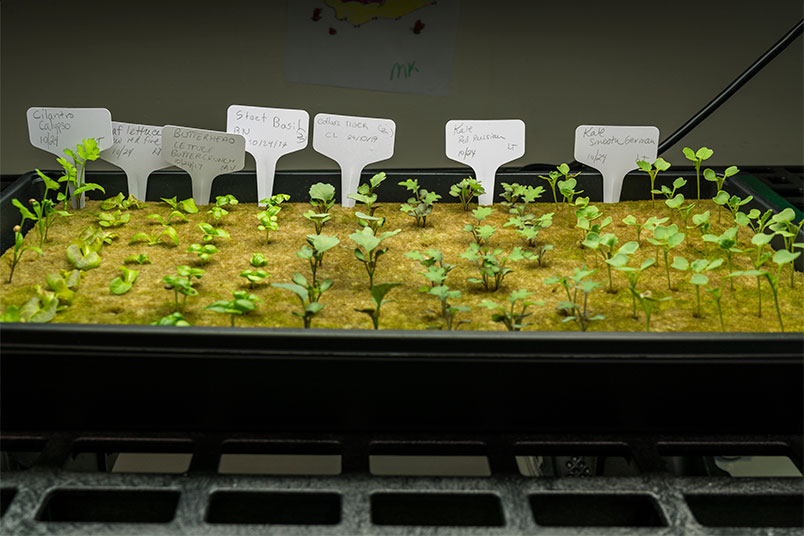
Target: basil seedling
241,304
173,319
227,200
204,251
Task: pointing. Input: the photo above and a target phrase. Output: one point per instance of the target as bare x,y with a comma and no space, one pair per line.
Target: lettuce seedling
241,304
114,219
187,205
666,238
39,309
63,284
204,251
74,172
649,225
517,197
18,250
123,283
322,197
308,294
378,293
314,251
480,233
466,190
648,303
576,307
121,202
174,216
513,314
141,258
83,256
155,238
660,164
492,264
173,319
365,193
211,232
699,278
217,213
604,245
727,243
421,204
368,251
696,157
318,219
561,171
227,200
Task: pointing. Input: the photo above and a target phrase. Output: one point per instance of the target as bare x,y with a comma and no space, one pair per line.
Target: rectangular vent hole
274,508
129,462
585,510
713,510
576,465
110,506
758,466
280,464
437,509
20,454
6,496
389,465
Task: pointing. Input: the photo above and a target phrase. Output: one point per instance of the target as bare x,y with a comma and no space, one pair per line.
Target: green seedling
677,204
604,245
182,284
314,251
268,221
156,238
113,219
318,219
448,311
491,264
480,233
711,176
666,238
217,213
421,204
308,294
74,172
585,219
576,306
696,157
552,178
727,243
18,250
437,268
568,192
378,293
63,284
528,227
173,319
204,251
649,225
620,262
517,197
141,258
755,219
784,224
699,278
647,302
701,222
513,314
322,197
211,232
466,190
368,251
366,220
660,164
731,203
123,283
717,298
670,193
83,254
241,304
39,309
258,260
44,212
365,193
758,258
227,200
187,205
121,202
174,216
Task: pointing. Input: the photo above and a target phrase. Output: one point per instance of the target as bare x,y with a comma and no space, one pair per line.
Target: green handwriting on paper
403,70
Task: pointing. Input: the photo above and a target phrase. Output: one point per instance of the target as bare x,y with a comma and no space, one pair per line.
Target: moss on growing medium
408,308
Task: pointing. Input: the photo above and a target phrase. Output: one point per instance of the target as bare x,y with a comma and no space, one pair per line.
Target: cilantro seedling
74,172
44,212
155,238
576,307
173,319
204,251
699,278
552,178
18,250
365,193
217,213
491,264
140,258
322,197
727,243
227,200
604,245
318,219
513,314
121,202
123,283
241,304
421,204
258,260
696,157
660,164
647,302
63,284
114,219
368,251
666,238
308,294
211,232
466,190
314,251
378,293
480,233
711,176
174,216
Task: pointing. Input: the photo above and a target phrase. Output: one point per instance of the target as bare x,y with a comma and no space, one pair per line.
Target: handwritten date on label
137,149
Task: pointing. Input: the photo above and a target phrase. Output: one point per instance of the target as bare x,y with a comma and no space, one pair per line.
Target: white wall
556,66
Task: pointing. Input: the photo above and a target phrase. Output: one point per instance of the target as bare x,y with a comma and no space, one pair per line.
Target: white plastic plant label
485,145
614,151
270,133
137,150
57,129
204,154
353,142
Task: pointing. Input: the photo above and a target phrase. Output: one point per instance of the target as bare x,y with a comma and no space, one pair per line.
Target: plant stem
667,270
759,296
698,297
720,314
698,176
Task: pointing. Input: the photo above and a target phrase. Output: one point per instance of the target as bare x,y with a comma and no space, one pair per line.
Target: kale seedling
18,250
491,264
576,310
677,204
448,311
513,314
173,319
586,215
780,258
308,295
114,219
187,205
466,190
174,215
365,220
561,171
653,170
648,303
154,239
123,283
649,225
699,278
314,251
701,222
368,251
567,189
437,268
666,238
727,243
517,197
620,263
204,251
258,260
378,293
211,232
784,224
241,304
716,297
732,203
528,228
604,244
421,204
141,258
480,233
318,219
696,157
85,151
322,197
711,176
365,193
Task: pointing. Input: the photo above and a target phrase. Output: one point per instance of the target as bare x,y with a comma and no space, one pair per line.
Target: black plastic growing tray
103,377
